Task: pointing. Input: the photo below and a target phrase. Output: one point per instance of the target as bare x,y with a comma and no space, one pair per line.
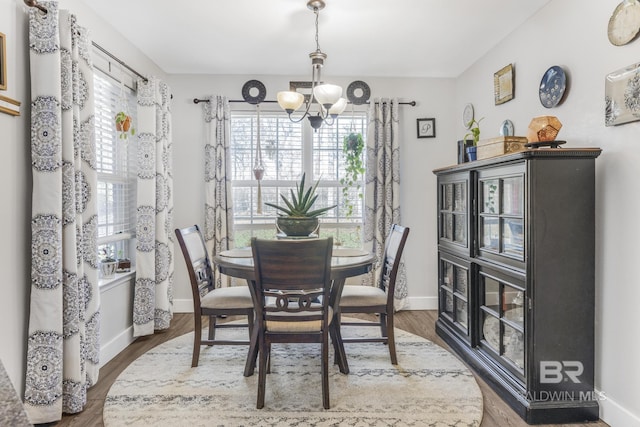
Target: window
289,150
115,158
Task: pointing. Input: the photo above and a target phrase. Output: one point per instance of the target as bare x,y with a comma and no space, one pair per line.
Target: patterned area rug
429,387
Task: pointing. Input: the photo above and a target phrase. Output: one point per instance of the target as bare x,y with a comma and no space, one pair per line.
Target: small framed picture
426,128
504,84
3,62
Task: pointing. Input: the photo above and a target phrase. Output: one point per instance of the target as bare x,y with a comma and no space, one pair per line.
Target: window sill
117,279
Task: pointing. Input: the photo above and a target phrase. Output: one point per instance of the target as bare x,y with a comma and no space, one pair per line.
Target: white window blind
289,150
115,162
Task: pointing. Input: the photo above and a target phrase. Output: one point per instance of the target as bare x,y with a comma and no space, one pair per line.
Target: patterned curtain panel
63,343
218,222
153,296
382,192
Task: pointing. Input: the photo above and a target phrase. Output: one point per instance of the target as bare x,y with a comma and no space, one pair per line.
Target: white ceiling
399,38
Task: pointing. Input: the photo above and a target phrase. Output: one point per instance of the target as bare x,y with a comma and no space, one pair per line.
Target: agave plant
301,201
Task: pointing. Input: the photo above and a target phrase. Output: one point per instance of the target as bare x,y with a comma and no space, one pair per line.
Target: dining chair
207,299
378,299
293,284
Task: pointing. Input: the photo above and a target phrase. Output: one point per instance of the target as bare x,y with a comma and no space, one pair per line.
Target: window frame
334,220
118,241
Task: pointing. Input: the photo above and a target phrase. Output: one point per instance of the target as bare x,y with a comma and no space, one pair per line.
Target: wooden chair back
291,277
198,262
394,247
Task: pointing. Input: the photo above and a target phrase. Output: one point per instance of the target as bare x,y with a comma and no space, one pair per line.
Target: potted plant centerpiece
474,132
298,219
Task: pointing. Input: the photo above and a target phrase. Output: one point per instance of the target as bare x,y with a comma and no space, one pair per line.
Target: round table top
345,262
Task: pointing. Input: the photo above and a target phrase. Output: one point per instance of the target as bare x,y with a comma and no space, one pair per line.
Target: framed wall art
504,84
3,62
426,128
622,96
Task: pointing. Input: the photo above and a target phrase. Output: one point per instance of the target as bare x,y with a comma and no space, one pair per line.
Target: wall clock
624,23
467,116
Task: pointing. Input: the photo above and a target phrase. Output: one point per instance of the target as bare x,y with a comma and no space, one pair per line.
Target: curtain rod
118,60
196,101
34,3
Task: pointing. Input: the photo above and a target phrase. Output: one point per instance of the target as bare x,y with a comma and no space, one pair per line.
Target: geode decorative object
543,128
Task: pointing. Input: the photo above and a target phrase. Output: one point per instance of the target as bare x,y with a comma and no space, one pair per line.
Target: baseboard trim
614,414
422,303
183,305
111,349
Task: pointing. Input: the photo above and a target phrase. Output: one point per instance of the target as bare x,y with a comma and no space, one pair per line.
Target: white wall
573,34
418,158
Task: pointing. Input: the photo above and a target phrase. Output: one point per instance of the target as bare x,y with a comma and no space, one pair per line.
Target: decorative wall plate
506,128
247,89
358,92
552,86
467,116
624,23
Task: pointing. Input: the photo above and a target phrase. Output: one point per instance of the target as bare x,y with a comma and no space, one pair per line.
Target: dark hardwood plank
420,322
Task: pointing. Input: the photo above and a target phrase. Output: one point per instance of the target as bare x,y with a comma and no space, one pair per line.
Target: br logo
554,372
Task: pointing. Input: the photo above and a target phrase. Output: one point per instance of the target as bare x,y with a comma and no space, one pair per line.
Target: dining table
345,263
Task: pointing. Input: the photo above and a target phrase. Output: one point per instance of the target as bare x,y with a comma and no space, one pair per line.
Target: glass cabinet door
453,211
454,292
501,214
502,320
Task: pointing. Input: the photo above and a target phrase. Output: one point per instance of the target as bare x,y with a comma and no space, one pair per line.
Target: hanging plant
353,145
124,125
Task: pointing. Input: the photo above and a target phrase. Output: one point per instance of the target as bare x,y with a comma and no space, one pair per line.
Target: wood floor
422,323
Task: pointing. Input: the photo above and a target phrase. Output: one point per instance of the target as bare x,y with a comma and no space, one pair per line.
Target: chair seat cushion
361,295
230,297
296,326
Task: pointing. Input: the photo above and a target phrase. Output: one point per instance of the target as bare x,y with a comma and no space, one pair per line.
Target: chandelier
328,96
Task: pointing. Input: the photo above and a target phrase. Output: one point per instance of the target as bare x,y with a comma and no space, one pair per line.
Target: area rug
428,387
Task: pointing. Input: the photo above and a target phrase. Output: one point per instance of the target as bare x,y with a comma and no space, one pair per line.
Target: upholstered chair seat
235,297
362,296
297,326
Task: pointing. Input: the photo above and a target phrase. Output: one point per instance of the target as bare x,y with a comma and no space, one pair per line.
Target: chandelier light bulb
327,94
337,108
290,101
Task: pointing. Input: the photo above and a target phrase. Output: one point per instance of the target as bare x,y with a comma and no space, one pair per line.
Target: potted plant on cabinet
474,132
353,145
298,218
124,125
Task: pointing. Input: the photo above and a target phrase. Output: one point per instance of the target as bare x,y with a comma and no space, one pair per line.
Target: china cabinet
516,248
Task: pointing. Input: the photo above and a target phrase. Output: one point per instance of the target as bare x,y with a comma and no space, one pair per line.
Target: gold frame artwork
3,62
504,84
